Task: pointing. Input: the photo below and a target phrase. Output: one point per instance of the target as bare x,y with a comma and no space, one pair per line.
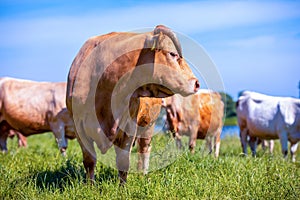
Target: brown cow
146,114
7,131
31,107
106,83
199,116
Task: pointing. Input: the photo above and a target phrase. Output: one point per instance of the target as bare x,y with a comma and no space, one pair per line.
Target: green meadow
40,172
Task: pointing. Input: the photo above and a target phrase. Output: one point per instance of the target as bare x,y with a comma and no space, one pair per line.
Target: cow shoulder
290,110
83,53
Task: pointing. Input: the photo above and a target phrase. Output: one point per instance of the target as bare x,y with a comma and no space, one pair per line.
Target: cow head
170,74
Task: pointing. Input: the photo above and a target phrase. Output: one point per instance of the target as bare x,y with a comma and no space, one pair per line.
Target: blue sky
254,44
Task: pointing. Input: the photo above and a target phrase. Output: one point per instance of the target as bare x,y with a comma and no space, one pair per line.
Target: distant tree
229,105
240,93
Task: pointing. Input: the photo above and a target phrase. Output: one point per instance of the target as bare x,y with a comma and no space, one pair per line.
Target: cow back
28,106
211,113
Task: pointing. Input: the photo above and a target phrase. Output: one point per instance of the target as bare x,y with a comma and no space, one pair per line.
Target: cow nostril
197,86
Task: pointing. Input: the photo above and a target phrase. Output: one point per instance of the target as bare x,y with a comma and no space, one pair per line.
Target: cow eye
173,54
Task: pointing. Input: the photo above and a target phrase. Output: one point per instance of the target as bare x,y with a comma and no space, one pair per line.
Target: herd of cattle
126,108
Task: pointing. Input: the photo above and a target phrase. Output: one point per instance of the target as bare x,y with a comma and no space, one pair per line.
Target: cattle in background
106,76
266,144
268,117
31,107
146,113
7,131
198,116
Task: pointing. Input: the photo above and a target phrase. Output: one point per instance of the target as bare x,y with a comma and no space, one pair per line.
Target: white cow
268,117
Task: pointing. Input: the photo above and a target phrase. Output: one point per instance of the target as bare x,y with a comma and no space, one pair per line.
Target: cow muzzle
195,83
193,87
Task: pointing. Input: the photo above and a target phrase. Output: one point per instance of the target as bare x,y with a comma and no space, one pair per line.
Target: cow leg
22,141
192,140
284,143
253,144
123,145
3,142
88,153
271,146
66,142
192,144
144,149
293,151
217,143
4,132
209,144
89,162
264,144
243,138
178,140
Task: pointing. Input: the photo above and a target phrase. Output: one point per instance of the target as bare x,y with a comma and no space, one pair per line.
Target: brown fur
7,131
31,107
198,116
122,69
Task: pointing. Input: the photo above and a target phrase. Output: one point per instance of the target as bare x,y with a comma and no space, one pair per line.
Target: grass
39,172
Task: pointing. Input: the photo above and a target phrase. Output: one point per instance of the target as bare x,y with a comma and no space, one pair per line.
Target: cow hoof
243,154
122,177
63,152
4,151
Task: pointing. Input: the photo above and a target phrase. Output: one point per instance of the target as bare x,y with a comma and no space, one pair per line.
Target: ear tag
154,45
